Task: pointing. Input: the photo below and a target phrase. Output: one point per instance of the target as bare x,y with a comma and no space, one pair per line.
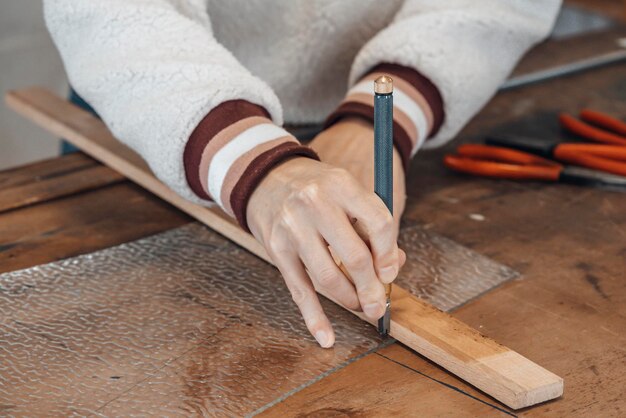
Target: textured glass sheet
186,322
445,273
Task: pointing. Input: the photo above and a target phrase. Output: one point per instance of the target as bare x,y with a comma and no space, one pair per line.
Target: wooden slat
57,186
491,367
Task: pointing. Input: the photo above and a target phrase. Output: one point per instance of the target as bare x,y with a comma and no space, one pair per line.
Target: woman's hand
349,144
300,209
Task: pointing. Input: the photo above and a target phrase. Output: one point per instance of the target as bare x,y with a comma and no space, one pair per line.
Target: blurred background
28,57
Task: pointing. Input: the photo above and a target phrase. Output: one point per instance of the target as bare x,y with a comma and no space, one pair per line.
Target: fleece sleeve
154,72
447,59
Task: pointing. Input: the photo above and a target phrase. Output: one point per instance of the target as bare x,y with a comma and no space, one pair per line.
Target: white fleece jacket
154,70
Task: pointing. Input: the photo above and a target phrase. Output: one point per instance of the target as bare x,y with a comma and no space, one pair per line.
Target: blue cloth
73,97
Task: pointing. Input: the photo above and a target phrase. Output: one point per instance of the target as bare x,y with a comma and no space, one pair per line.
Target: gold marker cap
383,85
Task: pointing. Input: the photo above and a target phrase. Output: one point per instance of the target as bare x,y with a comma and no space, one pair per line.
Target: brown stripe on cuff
236,170
255,172
220,140
409,90
401,139
398,115
222,116
421,84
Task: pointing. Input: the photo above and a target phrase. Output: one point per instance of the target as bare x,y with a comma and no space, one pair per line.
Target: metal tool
566,69
516,157
383,164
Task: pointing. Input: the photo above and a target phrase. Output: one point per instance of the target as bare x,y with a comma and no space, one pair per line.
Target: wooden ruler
493,368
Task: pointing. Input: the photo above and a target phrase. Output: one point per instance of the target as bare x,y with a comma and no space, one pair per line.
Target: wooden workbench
566,312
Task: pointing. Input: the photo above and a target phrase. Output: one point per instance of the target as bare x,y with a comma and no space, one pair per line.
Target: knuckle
371,293
299,295
309,194
277,242
359,258
288,223
277,247
353,305
339,176
314,322
382,223
327,277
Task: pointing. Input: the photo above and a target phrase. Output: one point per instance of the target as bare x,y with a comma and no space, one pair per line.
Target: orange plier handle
595,126
500,162
598,127
607,158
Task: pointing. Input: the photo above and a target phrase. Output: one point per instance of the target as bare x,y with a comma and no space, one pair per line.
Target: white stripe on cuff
403,102
235,148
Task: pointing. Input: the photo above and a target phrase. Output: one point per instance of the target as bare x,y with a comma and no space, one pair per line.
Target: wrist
354,123
343,136
350,141
418,110
231,150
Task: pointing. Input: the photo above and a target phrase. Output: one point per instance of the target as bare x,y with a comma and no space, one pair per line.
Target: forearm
465,48
417,107
164,86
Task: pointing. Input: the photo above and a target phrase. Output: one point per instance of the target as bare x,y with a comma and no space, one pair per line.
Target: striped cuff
417,107
230,152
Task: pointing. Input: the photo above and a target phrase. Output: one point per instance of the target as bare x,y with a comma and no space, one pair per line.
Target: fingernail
322,338
388,274
373,310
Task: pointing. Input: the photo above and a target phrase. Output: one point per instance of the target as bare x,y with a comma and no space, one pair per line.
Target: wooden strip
91,135
54,187
491,367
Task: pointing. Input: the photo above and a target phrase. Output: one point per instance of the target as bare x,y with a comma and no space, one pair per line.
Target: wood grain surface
566,312
507,376
80,224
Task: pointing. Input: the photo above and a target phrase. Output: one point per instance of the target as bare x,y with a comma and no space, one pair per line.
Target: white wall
27,57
